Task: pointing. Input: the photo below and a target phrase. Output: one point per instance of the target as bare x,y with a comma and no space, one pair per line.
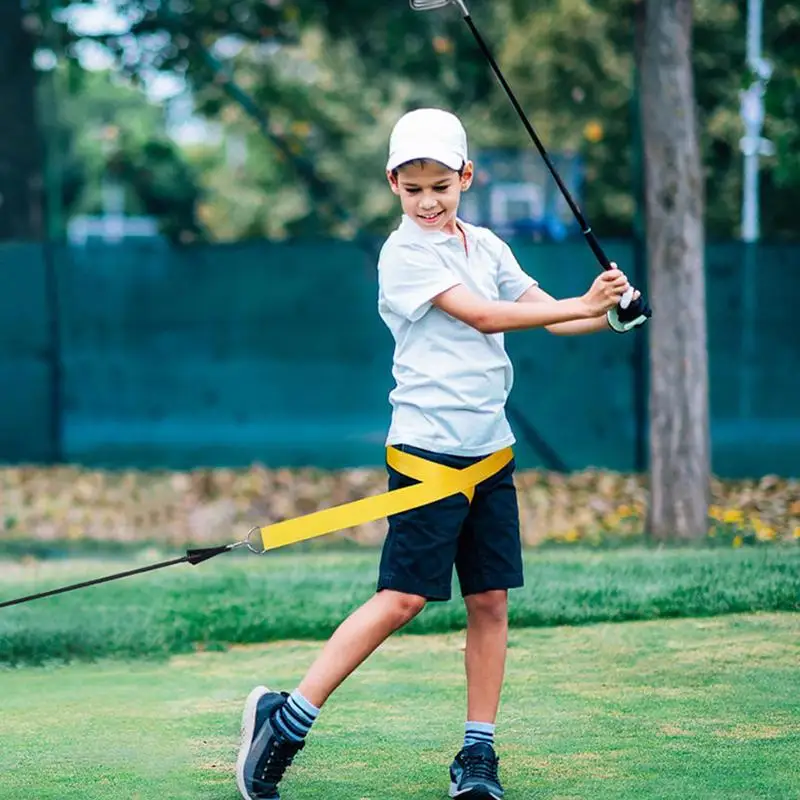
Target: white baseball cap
428,133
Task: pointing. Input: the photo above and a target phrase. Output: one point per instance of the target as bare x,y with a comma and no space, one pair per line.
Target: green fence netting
146,356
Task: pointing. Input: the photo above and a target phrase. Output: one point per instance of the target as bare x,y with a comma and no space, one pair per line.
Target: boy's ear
467,174
392,182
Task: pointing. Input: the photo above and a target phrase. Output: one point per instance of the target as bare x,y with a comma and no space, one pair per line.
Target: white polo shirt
452,381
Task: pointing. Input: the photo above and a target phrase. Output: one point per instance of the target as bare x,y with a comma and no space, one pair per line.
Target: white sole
455,793
248,725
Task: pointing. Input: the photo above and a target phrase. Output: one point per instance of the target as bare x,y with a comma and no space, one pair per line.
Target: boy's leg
416,565
489,562
355,639
474,771
485,656
274,724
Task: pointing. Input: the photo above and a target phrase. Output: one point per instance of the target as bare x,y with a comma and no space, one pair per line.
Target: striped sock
295,717
475,732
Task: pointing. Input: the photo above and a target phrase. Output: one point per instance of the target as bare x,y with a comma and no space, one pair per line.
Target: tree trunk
674,199
20,144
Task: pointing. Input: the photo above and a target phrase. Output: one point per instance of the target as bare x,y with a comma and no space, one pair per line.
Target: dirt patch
674,730
751,648
749,732
582,765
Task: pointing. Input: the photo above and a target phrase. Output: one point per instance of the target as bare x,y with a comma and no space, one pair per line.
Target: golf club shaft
591,239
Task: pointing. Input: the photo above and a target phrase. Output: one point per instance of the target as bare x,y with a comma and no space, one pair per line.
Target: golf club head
429,5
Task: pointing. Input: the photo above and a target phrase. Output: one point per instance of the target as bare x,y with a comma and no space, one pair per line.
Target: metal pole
752,111
753,146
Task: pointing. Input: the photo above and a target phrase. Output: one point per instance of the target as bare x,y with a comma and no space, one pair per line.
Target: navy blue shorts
481,539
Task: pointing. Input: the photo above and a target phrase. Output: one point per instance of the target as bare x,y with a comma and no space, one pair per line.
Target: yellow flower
715,512
797,532
763,532
572,535
732,516
738,541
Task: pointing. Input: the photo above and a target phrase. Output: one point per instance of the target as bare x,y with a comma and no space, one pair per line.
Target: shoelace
480,767
280,757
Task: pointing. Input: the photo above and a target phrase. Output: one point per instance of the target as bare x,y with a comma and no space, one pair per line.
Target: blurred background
193,198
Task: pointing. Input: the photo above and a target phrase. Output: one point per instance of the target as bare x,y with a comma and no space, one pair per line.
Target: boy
447,292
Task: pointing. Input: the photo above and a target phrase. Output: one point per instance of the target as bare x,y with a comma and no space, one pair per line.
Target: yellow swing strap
436,482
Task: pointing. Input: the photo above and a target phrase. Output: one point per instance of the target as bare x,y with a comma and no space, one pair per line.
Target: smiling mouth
430,217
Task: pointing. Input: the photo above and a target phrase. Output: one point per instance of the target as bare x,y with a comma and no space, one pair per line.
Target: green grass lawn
288,595
677,709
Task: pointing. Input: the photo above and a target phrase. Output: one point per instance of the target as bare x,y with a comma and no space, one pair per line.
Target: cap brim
447,157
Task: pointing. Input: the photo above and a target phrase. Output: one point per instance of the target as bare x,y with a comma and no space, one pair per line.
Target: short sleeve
512,280
410,276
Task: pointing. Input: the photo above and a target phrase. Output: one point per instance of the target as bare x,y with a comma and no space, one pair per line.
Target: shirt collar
410,228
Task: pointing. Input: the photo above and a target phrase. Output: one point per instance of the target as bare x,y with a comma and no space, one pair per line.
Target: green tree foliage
106,129
329,78
782,189
315,96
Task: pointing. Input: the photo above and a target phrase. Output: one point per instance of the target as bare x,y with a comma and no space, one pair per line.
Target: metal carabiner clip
258,549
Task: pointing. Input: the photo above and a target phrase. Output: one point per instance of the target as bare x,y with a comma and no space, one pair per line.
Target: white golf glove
629,314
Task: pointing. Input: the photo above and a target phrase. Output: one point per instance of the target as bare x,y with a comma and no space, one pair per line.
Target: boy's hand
606,292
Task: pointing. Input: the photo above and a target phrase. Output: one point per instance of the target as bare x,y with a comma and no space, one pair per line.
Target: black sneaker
473,774
264,754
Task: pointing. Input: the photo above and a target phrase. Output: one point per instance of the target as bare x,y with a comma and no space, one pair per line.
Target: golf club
628,310
429,5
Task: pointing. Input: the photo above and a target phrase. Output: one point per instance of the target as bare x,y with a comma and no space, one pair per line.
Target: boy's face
429,193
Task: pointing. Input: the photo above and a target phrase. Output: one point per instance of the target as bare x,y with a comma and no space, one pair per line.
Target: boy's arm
498,316
570,328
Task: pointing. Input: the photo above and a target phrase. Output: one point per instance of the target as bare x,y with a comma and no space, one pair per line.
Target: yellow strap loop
420,469
437,482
